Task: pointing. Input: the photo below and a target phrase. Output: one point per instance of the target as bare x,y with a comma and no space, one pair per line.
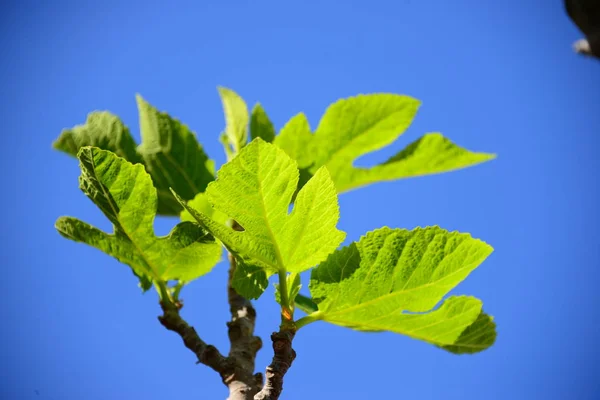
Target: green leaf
101,129
125,194
255,189
359,125
355,126
169,151
236,118
250,281
306,304
201,203
293,287
260,125
295,139
393,278
478,336
173,157
428,155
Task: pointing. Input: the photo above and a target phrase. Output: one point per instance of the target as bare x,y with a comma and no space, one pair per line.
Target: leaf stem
176,291
163,292
287,314
308,319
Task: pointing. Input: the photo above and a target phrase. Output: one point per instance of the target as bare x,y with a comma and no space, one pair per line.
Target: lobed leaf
428,155
255,189
392,279
353,127
125,194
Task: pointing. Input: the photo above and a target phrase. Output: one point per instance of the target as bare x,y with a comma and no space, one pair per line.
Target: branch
244,345
282,361
236,370
242,383
206,354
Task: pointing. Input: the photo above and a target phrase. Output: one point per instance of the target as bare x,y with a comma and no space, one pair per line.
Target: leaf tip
85,151
66,227
142,103
177,197
60,222
224,91
489,156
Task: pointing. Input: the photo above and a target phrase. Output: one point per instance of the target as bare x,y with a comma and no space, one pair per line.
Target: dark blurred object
586,15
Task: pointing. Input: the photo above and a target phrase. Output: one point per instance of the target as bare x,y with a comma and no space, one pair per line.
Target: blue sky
492,76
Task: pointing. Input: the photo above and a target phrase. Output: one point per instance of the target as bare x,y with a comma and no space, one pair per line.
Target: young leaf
353,127
124,193
293,286
255,189
101,129
173,157
260,125
236,118
391,279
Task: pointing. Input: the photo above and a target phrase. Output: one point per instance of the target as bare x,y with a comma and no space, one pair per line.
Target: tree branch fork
237,368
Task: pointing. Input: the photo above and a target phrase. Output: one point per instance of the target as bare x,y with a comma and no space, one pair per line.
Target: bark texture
244,345
283,357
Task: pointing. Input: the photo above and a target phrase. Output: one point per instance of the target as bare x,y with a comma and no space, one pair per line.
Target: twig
282,361
242,384
207,354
